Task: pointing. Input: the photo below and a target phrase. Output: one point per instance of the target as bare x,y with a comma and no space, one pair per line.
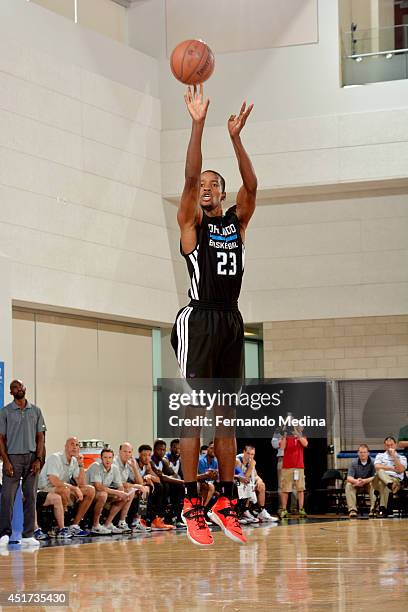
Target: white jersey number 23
227,264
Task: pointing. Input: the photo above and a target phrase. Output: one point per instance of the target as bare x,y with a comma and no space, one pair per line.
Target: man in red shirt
293,472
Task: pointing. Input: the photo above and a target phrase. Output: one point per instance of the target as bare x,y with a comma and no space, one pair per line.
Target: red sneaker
224,514
159,525
194,519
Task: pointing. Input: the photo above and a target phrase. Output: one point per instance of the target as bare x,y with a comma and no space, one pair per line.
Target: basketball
192,62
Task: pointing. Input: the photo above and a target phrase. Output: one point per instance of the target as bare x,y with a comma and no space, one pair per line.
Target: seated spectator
132,482
252,483
106,479
173,457
293,472
156,501
390,471
62,483
172,484
207,474
360,477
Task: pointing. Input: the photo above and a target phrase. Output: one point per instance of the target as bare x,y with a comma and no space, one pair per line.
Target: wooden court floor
327,566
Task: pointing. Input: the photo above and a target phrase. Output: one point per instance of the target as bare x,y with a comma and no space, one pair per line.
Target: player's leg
229,368
191,341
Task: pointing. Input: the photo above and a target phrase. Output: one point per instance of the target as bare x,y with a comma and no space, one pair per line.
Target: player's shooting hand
237,122
196,105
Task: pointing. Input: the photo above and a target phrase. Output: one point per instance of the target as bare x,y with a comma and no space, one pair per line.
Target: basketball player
208,333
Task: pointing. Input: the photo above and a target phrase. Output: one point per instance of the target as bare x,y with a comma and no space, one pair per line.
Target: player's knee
101,496
88,491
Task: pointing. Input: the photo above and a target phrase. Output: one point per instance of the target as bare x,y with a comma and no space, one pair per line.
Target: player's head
72,447
212,190
248,452
145,454
17,389
175,447
125,452
159,448
107,458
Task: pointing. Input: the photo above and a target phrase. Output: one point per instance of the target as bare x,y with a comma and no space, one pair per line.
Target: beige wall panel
23,352
67,378
125,384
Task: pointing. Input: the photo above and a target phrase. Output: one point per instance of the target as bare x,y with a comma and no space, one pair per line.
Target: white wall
285,83
333,258
81,216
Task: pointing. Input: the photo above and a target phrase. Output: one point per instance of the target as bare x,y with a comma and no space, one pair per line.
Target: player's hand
196,105
8,468
78,493
35,466
237,122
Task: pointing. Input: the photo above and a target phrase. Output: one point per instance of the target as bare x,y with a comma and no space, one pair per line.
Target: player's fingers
195,91
248,110
207,102
201,91
242,107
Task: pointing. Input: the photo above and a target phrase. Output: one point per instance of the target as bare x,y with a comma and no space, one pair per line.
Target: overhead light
389,56
359,59
248,333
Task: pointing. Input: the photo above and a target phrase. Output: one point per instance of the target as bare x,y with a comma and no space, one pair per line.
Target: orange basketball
192,62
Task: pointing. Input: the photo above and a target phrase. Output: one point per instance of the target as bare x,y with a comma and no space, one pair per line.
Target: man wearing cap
22,448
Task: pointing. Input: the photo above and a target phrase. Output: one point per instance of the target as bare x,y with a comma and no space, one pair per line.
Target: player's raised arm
247,194
189,213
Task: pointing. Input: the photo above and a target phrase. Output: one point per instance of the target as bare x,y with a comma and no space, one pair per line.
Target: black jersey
216,265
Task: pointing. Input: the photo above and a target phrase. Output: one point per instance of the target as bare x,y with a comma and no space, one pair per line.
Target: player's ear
223,196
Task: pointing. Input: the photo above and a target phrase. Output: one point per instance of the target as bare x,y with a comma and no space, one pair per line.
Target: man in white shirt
132,481
390,470
106,479
63,479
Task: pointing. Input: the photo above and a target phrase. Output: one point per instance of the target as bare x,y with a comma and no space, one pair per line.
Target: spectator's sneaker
302,513
283,514
29,543
159,525
243,521
77,532
353,514
4,540
224,514
371,514
180,525
194,519
265,517
63,534
39,534
112,528
124,527
100,530
140,526
250,518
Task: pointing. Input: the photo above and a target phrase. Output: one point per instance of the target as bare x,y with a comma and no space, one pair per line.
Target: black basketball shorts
209,343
